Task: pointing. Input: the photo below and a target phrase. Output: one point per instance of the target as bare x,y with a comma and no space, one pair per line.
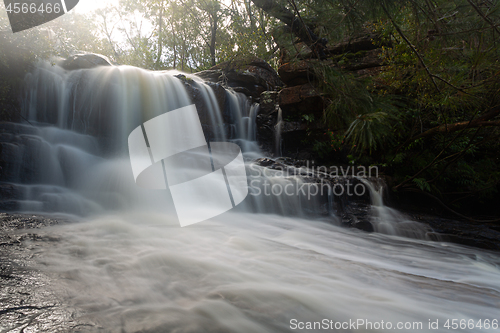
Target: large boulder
361,60
302,72
297,73
251,76
85,61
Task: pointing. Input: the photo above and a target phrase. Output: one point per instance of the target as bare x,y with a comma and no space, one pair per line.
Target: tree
294,21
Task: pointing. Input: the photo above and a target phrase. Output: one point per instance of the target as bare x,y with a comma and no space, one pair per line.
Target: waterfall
390,221
277,134
128,266
243,129
73,157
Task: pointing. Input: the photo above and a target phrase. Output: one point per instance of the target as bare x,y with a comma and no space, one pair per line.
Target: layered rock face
301,95
301,100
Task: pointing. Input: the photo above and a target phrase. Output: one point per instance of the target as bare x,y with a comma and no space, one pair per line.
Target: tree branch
479,122
480,12
421,60
302,31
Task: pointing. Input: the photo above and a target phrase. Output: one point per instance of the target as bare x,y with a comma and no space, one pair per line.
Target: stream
122,263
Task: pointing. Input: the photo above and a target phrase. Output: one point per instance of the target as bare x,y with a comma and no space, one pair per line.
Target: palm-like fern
368,117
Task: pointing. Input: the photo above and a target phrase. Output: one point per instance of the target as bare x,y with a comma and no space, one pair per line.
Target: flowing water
388,220
267,266
277,133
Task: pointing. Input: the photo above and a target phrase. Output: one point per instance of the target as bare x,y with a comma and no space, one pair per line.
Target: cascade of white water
75,158
243,129
390,221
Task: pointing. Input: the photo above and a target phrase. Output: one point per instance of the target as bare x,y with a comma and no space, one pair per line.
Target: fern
369,131
422,184
368,117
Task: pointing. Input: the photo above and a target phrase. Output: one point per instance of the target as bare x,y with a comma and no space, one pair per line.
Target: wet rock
268,102
481,235
264,162
85,61
363,225
245,91
13,191
29,301
265,131
19,154
193,90
293,126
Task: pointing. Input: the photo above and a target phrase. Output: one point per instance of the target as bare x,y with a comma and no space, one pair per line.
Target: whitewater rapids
263,273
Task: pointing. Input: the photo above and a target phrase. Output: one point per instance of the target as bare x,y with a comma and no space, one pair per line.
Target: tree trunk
479,122
213,22
160,45
173,43
302,31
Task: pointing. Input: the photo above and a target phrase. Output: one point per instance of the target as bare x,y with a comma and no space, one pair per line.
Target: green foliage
369,117
422,184
332,142
370,131
441,67
308,117
189,35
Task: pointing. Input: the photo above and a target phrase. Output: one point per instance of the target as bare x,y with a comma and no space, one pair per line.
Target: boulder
296,73
268,102
212,75
251,76
297,94
300,100
85,61
302,72
361,60
361,42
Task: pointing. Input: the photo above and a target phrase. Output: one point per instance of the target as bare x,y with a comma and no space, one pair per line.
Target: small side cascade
277,134
388,220
243,129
